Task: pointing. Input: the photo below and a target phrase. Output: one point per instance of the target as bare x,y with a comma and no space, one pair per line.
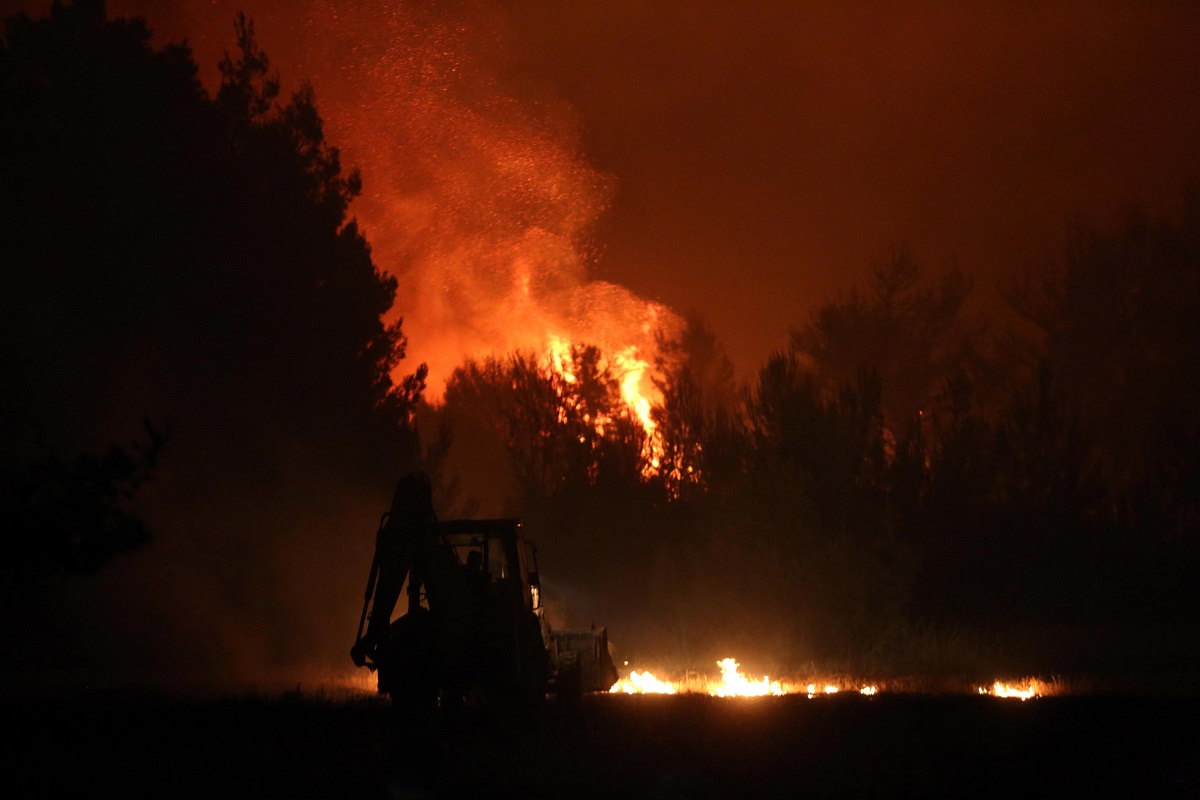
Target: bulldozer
475,630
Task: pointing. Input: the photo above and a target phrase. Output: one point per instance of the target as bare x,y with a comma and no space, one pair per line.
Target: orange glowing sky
743,162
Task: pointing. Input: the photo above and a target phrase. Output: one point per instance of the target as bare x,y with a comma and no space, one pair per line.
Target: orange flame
484,206
488,221
1031,688
643,683
633,373
731,683
734,684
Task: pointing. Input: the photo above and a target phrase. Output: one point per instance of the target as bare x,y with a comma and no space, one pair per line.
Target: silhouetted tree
698,395
187,259
575,451
1018,514
69,518
1118,322
835,441
564,428
905,327
796,547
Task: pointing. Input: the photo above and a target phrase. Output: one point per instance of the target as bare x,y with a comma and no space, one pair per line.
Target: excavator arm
398,544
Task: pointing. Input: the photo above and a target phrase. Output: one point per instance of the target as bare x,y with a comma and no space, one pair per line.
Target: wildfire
480,200
634,370
730,683
734,684
633,373
643,683
558,358
1030,689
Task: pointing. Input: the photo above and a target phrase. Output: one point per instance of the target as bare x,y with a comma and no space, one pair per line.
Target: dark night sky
742,162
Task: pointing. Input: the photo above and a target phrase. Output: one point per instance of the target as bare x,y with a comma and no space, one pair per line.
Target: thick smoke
477,193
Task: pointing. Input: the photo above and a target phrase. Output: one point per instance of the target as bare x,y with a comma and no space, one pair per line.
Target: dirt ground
654,747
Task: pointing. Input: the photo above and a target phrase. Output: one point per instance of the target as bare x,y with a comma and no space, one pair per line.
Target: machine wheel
535,661
414,700
407,672
569,683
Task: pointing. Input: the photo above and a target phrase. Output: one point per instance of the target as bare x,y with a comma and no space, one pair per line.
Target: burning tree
564,422
695,381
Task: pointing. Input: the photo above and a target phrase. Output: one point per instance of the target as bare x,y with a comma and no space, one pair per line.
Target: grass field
690,746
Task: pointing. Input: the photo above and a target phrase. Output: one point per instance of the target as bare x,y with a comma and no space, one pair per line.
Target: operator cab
495,556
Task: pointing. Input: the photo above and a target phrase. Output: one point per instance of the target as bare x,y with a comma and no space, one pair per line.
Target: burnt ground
610,747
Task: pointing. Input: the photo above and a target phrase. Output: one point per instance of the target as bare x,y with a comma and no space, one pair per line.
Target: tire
569,682
407,670
414,700
535,662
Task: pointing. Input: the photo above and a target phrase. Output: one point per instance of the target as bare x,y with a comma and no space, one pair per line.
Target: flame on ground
1023,691
731,683
643,683
734,684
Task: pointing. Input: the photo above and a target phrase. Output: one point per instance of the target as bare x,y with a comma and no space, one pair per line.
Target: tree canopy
184,259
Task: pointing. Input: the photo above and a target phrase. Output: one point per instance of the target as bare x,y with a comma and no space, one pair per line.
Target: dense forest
196,362
193,353
902,487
